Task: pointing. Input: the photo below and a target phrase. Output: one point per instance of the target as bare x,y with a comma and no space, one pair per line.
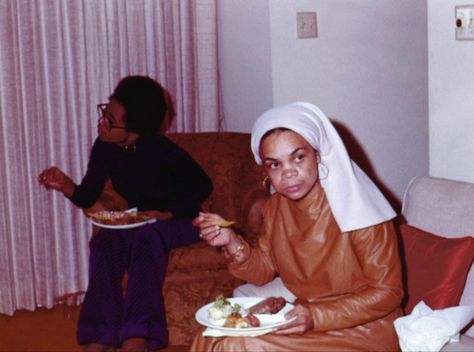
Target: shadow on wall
357,153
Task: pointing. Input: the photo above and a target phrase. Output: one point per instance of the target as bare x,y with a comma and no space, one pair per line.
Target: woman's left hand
303,322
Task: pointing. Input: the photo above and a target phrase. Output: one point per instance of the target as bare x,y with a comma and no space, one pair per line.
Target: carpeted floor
45,330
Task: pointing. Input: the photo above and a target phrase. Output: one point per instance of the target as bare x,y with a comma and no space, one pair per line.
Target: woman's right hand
213,234
54,178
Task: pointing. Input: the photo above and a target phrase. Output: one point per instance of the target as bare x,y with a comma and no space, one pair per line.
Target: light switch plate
306,25
464,17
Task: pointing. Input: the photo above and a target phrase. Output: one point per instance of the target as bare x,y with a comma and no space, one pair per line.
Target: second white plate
123,227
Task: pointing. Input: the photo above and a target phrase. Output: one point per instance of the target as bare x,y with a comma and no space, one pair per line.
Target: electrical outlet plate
306,25
464,15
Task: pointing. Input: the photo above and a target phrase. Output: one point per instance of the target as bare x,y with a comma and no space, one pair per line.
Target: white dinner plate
123,227
267,321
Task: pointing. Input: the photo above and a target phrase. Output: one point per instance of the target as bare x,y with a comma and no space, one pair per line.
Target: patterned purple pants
107,316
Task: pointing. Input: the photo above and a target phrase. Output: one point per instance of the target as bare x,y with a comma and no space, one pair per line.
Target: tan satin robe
351,282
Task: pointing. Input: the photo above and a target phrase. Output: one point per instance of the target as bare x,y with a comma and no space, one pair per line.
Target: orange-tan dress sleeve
377,252
258,267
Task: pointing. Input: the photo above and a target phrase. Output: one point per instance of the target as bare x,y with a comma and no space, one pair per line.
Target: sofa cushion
196,257
228,160
436,267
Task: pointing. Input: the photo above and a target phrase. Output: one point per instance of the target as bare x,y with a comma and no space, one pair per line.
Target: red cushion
436,267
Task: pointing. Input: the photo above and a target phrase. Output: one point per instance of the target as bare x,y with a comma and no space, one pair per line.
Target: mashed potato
221,309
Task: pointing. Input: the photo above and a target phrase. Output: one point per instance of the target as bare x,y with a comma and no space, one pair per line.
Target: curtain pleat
59,58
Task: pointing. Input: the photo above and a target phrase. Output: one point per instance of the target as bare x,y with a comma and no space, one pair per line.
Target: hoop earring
323,171
266,183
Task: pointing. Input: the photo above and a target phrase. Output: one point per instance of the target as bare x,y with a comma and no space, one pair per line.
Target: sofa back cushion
445,208
227,159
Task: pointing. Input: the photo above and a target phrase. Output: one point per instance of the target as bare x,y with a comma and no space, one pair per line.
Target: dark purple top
157,175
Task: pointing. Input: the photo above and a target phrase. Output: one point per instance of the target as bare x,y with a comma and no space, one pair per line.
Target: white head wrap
354,199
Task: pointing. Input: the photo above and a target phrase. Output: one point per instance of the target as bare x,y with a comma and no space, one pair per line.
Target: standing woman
327,237
159,178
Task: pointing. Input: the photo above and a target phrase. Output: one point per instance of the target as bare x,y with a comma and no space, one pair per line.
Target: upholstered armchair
438,247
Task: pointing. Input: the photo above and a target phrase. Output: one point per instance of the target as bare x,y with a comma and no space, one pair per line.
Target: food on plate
237,321
253,320
270,305
107,217
222,308
223,312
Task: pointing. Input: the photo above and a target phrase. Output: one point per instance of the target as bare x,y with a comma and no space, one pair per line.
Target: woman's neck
130,140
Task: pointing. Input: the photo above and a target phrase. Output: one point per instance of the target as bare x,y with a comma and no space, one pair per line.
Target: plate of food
244,314
127,219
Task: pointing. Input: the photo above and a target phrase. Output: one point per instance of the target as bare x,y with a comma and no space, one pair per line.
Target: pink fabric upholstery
198,273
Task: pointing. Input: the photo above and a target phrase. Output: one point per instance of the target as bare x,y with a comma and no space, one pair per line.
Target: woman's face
290,162
112,126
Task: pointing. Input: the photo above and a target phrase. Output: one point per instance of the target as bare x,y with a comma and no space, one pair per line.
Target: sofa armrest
431,204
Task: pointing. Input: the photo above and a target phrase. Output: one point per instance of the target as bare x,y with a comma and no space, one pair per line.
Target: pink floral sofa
198,273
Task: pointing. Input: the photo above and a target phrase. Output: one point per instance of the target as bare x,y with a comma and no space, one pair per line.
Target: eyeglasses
102,111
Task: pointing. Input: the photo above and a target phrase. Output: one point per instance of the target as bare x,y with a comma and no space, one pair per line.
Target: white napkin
429,330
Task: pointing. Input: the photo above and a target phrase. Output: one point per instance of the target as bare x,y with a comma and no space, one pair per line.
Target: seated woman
159,178
327,236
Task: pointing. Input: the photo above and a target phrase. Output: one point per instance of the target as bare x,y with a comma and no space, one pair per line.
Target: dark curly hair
144,101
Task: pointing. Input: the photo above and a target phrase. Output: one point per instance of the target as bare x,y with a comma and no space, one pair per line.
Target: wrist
235,249
68,189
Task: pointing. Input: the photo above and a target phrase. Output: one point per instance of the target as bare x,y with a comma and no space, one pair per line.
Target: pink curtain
58,59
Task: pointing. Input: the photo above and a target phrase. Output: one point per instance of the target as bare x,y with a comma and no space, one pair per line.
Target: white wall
245,61
451,98
367,70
